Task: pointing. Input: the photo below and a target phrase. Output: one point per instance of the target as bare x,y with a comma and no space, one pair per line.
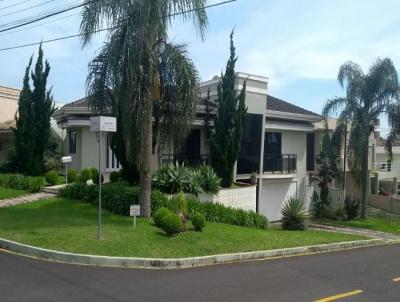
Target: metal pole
345,163
99,229
66,173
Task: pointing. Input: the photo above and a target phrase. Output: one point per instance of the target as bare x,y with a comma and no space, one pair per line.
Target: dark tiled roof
276,104
84,102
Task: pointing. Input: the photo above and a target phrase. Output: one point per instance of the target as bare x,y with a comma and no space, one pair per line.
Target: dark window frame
72,141
310,152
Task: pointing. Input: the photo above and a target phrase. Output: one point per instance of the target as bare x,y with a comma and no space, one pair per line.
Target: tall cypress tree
229,122
43,108
32,133
24,137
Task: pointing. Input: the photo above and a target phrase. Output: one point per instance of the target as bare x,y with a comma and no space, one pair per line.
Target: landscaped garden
70,225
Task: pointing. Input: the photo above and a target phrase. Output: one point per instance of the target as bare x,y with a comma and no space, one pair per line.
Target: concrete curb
152,263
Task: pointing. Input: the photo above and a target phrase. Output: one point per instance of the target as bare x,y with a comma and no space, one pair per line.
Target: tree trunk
145,169
364,181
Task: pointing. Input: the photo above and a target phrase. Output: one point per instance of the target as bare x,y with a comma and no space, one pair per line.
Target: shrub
160,215
114,176
199,221
215,212
318,206
35,184
21,182
294,215
179,206
210,182
171,224
52,163
95,176
72,174
86,174
159,200
351,207
52,177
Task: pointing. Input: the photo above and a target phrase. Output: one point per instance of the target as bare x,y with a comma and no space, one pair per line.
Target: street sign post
100,124
134,211
65,160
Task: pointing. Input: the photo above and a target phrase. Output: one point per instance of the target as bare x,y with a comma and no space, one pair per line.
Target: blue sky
298,44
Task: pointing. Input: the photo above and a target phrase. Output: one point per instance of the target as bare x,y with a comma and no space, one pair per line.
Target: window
310,151
249,157
72,142
1,146
273,143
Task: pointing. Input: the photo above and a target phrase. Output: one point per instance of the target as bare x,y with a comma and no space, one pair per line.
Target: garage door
273,195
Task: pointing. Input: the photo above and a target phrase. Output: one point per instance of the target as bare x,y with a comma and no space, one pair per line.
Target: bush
318,207
171,224
72,174
294,215
114,176
179,206
351,207
210,182
52,177
159,200
52,163
199,221
95,176
160,215
21,182
85,175
131,175
35,184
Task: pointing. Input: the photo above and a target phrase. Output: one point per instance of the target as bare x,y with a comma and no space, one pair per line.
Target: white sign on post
103,123
134,211
66,159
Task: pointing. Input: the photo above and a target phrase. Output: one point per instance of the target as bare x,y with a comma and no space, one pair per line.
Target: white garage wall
274,194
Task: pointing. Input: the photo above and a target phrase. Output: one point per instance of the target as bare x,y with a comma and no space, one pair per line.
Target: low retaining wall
244,197
387,203
125,262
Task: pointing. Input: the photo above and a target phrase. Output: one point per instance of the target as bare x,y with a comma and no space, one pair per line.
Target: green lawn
375,223
10,193
70,226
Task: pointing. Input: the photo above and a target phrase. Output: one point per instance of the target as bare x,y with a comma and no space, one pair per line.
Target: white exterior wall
277,189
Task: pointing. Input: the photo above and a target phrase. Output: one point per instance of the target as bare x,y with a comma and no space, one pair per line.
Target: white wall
273,195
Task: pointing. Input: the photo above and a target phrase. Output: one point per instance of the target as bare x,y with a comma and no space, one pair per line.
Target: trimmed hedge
117,199
22,182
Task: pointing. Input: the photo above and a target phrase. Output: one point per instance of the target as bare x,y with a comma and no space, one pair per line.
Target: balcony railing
280,163
187,160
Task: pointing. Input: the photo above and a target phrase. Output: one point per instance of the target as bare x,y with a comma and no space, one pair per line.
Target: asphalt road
305,278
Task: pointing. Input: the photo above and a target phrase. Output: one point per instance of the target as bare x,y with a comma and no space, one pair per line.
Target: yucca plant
294,215
210,182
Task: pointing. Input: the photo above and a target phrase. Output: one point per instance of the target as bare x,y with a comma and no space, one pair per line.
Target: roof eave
293,116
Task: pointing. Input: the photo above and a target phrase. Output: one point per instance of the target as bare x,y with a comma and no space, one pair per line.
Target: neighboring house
279,143
9,107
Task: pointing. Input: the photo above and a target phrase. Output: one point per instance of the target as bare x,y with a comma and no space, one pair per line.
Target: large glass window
72,142
249,157
310,151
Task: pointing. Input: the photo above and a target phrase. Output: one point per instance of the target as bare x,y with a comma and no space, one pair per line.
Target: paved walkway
356,231
24,199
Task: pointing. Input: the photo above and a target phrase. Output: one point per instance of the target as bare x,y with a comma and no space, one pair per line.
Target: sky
298,44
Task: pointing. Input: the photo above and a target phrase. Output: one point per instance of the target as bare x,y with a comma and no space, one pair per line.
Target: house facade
9,106
279,143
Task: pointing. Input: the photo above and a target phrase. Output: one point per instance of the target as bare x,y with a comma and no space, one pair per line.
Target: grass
375,223
6,193
71,226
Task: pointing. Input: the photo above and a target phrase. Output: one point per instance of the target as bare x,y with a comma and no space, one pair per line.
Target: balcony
187,160
280,163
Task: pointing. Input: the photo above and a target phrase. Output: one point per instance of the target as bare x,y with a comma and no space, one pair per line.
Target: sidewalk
25,199
356,231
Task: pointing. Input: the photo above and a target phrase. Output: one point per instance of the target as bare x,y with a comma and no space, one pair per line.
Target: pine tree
43,108
229,122
24,137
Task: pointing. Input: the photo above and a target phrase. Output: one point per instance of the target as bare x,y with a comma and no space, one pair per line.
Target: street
368,274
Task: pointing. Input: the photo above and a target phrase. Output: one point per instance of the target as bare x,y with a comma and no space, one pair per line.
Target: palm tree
149,80
368,96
